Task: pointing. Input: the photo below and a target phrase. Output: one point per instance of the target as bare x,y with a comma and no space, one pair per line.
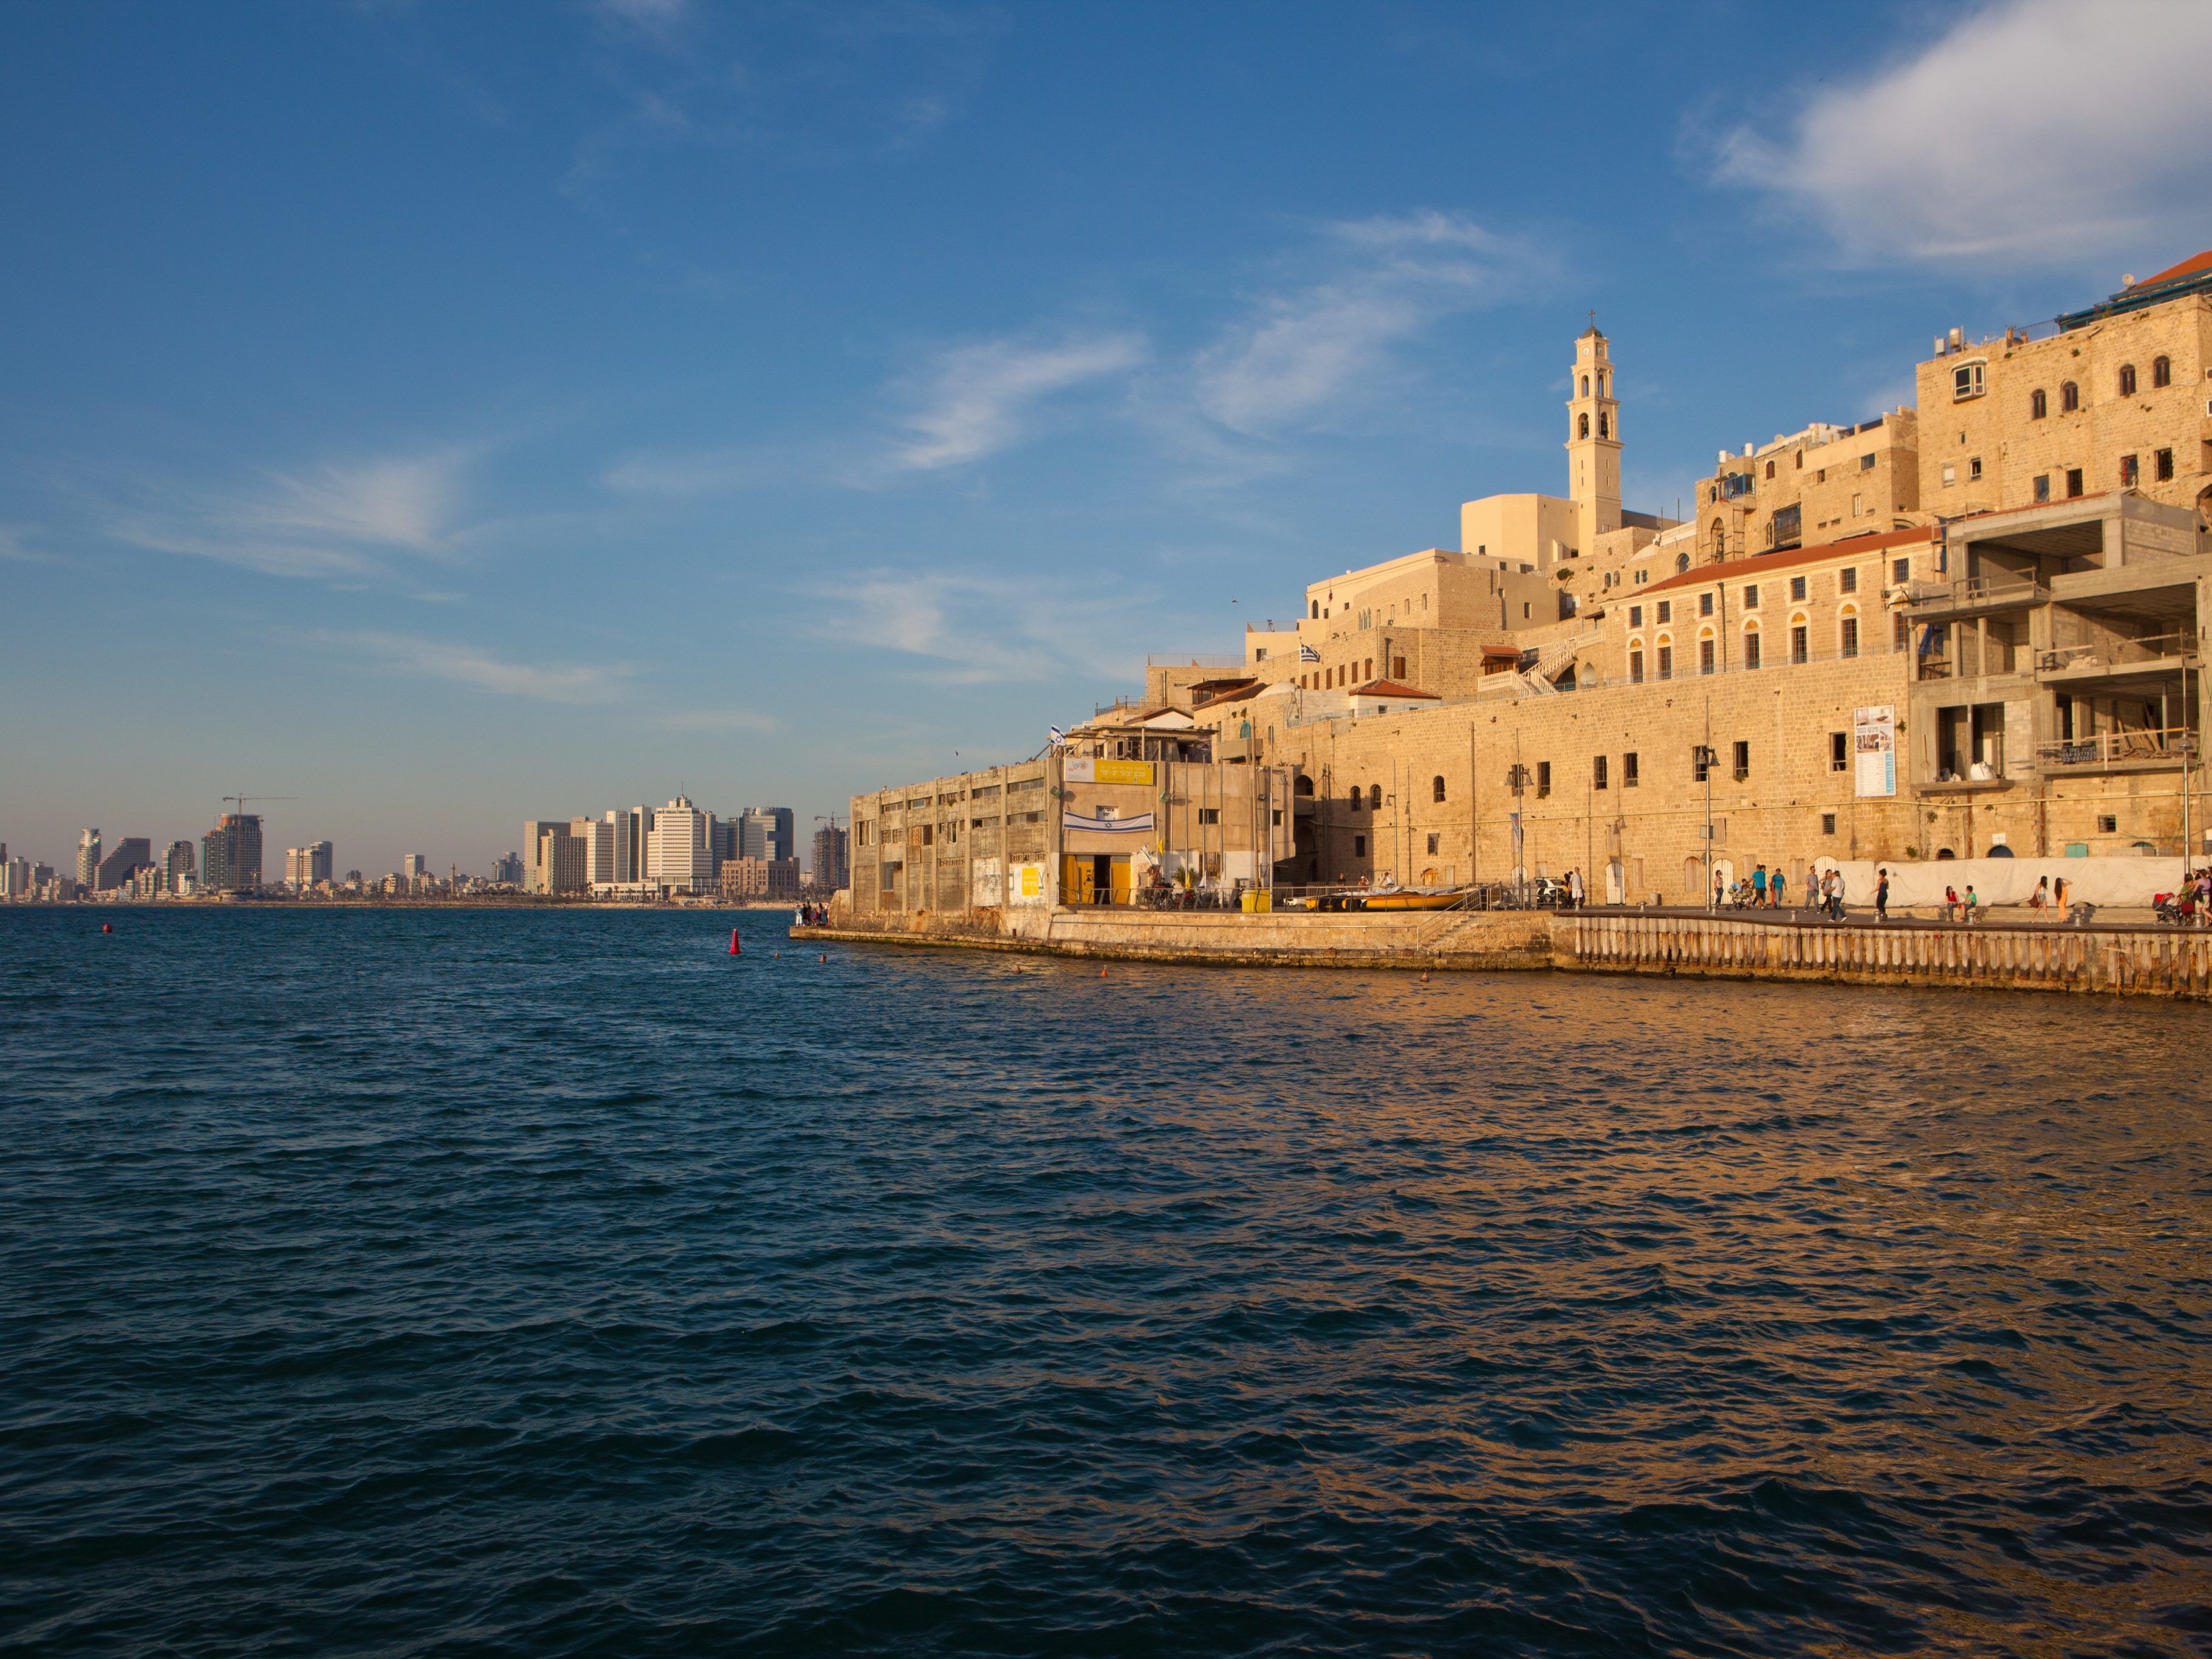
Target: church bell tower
1594,440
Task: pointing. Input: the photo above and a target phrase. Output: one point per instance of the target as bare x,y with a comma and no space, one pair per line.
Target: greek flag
1307,653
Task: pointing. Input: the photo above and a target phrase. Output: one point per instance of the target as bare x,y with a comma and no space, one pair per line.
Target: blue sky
448,415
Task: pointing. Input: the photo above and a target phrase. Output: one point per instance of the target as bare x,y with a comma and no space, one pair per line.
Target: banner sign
1026,883
1087,769
1873,749
1137,824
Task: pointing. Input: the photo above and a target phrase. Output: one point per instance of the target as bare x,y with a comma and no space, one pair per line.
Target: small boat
1414,898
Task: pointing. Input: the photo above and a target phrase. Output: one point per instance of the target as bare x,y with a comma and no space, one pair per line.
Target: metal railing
1923,594
2117,653
2172,743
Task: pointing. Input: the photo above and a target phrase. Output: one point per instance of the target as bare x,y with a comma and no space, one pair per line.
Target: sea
450,1282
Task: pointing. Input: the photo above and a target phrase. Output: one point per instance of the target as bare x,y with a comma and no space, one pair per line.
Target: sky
447,416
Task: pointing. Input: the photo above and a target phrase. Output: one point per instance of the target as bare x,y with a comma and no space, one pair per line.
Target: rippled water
506,1284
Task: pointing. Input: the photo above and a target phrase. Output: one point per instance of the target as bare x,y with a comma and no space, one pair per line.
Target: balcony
2147,750
1959,601
2116,660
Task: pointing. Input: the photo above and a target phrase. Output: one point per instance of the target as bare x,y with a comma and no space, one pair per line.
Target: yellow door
1075,879
1121,881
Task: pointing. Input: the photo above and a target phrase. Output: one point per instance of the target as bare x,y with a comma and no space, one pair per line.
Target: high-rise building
632,824
131,854
723,834
306,866
177,874
560,861
678,854
598,835
507,868
534,831
230,854
768,832
15,876
88,858
832,868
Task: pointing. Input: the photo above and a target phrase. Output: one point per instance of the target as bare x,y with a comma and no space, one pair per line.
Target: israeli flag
1058,738
1307,653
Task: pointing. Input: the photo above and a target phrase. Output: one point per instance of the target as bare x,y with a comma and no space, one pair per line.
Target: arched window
1303,786
1600,424
2038,405
2162,371
1582,426
1437,786
1600,383
1357,800
1375,797
1315,610
2127,379
1681,563
1585,385
1770,469
1720,539
2069,397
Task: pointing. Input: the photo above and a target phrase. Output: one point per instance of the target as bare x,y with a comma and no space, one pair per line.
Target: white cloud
977,399
717,720
984,630
12,548
463,664
335,522
2034,131
1324,341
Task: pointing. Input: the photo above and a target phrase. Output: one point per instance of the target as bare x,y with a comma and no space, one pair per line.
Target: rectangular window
1701,762
1850,637
1597,771
2042,486
1847,581
1636,668
2127,471
1858,505
1635,616
2107,824
1797,652
1704,656
1665,662
1839,751
1433,840
2165,465
1900,570
1665,610
1359,846
1900,632
2073,482
1866,463
1543,778
1209,815
1397,668
1742,761
1950,474
1797,587
1974,466
1751,651
1628,770
1751,597
1966,381
1827,823
1704,604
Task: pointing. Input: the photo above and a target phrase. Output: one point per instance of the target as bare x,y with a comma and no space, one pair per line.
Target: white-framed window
1967,382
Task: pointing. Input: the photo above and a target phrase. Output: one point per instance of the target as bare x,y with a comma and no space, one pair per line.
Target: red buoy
107,927
735,950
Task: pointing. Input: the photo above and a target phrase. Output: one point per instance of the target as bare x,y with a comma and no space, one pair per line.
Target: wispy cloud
2040,131
980,629
977,399
1327,339
337,522
15,549
462,664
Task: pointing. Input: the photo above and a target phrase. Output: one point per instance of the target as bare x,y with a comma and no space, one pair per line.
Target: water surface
480,1283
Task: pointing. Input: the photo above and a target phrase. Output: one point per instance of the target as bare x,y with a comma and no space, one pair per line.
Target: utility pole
1705,772
1517,780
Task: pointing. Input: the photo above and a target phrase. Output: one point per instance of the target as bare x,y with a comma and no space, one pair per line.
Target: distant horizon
440,417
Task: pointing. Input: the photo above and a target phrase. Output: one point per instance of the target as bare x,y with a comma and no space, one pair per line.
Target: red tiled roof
1734,569
2188,267
1392,688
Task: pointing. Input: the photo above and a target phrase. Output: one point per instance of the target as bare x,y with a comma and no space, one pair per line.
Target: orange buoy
1102,973
735,949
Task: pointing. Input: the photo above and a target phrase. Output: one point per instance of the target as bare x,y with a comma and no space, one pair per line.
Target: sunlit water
388,1283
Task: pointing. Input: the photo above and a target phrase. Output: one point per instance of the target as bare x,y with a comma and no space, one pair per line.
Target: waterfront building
768,832
678,856
632,825
113,873
534,831
230,854
415,867
178,872
506,870
597,836
88,858
15,876
759,878
562,863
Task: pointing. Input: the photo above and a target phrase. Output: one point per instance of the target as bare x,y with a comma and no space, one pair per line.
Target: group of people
811,916
1765,890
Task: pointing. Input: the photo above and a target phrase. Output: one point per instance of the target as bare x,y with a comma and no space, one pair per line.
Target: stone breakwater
2125,961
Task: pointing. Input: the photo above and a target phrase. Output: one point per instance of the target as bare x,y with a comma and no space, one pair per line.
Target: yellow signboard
1086,768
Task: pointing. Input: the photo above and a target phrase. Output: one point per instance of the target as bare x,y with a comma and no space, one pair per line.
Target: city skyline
524,414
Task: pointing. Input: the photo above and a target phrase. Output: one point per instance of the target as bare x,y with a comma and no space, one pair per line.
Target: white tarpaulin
2008,881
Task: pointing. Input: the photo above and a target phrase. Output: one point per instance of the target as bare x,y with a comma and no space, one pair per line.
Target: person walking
1759,887
1774,889
1720,889
2039,900
1882,893
1574,890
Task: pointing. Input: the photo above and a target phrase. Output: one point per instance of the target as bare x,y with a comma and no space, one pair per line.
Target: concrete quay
2129,961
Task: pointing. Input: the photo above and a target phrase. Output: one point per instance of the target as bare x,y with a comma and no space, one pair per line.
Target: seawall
2169,963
